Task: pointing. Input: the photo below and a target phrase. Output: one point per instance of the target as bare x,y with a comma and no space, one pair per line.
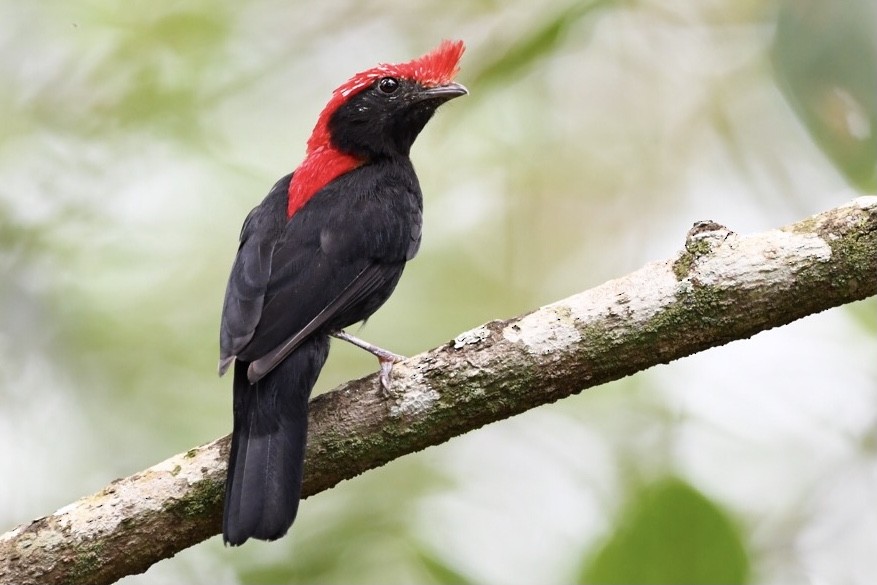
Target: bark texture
720,287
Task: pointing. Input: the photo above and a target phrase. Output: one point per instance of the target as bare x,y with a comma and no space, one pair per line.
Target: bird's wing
327,268
372,278
250,273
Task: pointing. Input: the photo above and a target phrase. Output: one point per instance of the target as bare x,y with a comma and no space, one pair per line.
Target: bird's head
379,112
376,113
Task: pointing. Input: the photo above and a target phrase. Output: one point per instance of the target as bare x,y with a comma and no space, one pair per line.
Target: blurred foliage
439,571
170,59
134,138
541,42
825,54
670,533
864,315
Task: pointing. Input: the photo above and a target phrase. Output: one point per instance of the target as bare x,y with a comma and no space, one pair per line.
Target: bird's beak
444,92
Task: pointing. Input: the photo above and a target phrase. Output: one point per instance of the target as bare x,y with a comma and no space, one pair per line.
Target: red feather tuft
315,172
323,162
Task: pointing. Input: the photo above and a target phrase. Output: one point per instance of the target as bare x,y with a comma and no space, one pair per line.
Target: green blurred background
135,136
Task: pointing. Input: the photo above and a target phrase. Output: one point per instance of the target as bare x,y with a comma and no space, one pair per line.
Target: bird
323,251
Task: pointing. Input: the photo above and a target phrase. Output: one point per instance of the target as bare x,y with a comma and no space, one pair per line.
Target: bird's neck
321,166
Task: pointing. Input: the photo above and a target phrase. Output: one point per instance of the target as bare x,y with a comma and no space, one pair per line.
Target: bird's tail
263,486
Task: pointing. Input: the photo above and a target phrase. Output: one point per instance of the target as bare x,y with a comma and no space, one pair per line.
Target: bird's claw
387,361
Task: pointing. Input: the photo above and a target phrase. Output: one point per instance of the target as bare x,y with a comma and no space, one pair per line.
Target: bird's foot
387,363
386,359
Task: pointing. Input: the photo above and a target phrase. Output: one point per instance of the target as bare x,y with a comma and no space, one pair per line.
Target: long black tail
263,486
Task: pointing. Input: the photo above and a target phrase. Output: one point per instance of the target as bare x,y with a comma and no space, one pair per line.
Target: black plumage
298,279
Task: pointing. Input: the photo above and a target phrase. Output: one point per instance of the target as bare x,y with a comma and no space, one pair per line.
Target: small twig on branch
720,288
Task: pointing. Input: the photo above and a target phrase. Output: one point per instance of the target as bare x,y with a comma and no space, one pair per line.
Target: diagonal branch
720,288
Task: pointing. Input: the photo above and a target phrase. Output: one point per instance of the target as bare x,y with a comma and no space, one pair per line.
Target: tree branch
721,287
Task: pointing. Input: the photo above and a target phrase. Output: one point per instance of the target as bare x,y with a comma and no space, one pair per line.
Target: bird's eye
388,85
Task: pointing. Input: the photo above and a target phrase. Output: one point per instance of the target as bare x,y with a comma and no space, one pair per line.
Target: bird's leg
387,359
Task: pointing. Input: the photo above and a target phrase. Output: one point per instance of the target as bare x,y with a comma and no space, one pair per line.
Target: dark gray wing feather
328,267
